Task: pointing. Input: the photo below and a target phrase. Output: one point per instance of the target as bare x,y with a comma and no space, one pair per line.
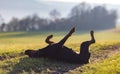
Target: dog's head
30,53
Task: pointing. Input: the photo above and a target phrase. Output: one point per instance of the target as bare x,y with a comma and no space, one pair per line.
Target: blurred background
43,15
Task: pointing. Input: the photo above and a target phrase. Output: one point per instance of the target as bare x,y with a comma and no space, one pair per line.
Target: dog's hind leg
61,43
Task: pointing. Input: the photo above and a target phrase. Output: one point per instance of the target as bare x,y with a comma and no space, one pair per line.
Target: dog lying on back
58,51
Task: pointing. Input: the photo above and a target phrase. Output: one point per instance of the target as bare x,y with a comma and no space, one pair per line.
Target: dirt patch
107,52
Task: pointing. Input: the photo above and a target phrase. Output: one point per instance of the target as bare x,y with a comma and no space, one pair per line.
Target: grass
107,66
104,58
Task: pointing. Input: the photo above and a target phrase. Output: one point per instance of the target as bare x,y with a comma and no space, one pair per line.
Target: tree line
83,16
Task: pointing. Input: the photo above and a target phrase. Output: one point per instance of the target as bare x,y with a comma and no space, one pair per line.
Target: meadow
105,52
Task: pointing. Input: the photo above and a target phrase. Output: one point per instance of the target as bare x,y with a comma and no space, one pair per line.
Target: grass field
105,52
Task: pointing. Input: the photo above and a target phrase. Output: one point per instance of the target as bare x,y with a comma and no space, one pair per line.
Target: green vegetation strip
107,66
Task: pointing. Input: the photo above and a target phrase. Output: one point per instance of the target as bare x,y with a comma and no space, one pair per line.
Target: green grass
13,60
107,66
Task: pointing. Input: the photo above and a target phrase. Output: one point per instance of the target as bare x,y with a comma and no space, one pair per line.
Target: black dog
58,51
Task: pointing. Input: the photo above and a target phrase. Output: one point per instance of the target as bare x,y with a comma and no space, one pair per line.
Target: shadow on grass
42,66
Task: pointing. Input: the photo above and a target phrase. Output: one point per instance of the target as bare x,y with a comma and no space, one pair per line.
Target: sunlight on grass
13,60
107,66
